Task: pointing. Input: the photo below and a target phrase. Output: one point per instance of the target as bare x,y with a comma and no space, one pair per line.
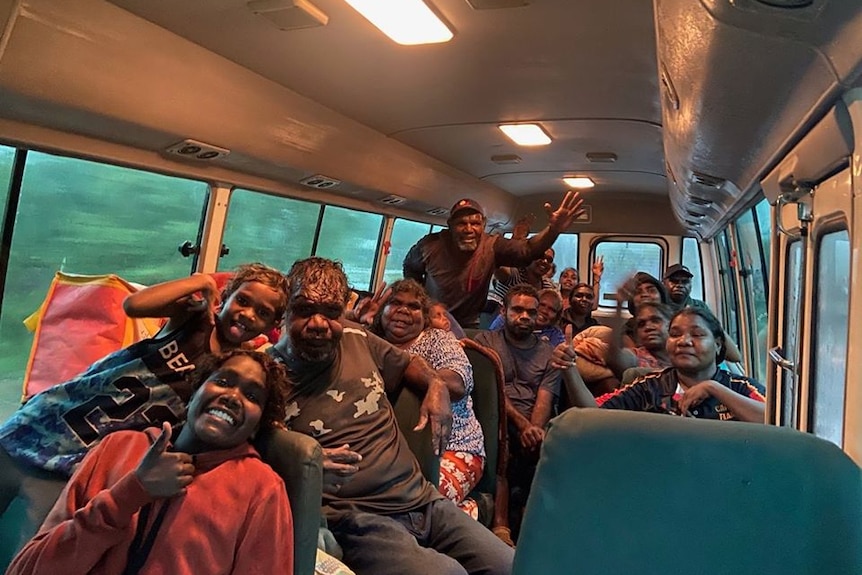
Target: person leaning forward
456,264
386,517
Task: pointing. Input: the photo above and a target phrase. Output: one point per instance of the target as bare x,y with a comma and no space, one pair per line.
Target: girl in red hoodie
200,501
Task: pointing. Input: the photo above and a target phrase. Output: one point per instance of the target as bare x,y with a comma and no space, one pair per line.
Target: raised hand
598,268
564,355
163,473
571,207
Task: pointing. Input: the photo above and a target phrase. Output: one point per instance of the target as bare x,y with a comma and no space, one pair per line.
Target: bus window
761,214
727,275
405,233
437,228
89,218
622,260
352,238
269,229
7,156
751,266
829,357
691,260
566,256
790,335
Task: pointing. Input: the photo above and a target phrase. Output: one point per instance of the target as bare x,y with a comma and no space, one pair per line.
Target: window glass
405,234
751,267
351,237
7,157
691,260
790,337
624,259
829,360
566,256
437,228
89,218
269,229
764,223
726,272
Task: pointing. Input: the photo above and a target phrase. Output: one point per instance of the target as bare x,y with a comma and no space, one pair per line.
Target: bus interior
723,134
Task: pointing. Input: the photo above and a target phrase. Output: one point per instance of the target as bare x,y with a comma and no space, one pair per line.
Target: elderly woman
693,386
403,320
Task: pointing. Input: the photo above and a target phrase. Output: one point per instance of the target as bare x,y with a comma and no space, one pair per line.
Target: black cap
464,205
677,269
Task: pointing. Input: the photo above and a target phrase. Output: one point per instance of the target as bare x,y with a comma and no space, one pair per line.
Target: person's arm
174,299
542,410
619,357
564,359
267,545
598,271
743,408
79,531
503,274
413,266
731,351
530,436
435,406
559,221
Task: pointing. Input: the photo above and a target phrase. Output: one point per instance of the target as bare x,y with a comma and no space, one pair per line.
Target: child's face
247,312
438,318
225,410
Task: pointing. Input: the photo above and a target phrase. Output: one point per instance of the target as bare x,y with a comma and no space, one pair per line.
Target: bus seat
639,493
296,457
490,408
406,405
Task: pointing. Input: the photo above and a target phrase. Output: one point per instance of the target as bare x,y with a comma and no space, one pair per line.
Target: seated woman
694,386
199,500
578,314
403,321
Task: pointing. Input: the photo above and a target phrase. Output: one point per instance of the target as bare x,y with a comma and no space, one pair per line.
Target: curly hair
521,289
276,382
261,273
409,286
326,275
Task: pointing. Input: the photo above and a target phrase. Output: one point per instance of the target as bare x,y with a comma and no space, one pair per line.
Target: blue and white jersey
134,388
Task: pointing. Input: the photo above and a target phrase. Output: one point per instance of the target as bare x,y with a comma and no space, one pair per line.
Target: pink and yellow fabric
80,321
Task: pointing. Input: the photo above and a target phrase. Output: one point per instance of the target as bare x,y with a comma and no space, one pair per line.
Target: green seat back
489,409
634,493
406,404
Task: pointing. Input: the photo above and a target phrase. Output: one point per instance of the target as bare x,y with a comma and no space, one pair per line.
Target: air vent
692,223
494,4
392,200
695,215
602,157
319,182
702,202
289,14
194,150
706,180
787,3
437,211
506,159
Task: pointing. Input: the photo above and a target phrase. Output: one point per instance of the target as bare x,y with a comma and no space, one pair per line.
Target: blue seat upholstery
634,493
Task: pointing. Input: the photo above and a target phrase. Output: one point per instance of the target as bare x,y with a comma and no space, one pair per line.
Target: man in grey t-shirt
387,518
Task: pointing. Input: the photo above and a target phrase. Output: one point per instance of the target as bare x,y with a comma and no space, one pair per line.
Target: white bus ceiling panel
91,68
741,82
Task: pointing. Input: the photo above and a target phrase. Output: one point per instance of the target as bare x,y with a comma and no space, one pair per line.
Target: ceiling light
526,134
407,22
579,183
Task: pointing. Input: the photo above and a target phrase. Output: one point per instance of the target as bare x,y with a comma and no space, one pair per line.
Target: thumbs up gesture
163,473
564,354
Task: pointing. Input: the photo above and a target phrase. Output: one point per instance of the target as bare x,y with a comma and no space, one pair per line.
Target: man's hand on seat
436,408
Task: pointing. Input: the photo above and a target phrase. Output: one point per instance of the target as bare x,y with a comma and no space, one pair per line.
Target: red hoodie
233,519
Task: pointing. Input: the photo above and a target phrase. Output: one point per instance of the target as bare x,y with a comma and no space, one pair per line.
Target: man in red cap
456,264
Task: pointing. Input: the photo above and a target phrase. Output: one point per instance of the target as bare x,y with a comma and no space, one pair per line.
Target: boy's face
248,312
225,411
437,317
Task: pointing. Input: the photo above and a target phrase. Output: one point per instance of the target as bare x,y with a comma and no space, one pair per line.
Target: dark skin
314,317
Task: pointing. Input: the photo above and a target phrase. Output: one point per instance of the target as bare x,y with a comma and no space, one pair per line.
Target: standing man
456,264
532,388
385,516
677,282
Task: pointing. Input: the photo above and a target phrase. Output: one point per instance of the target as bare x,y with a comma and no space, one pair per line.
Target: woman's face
568,279
402,319
691,345
646,292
